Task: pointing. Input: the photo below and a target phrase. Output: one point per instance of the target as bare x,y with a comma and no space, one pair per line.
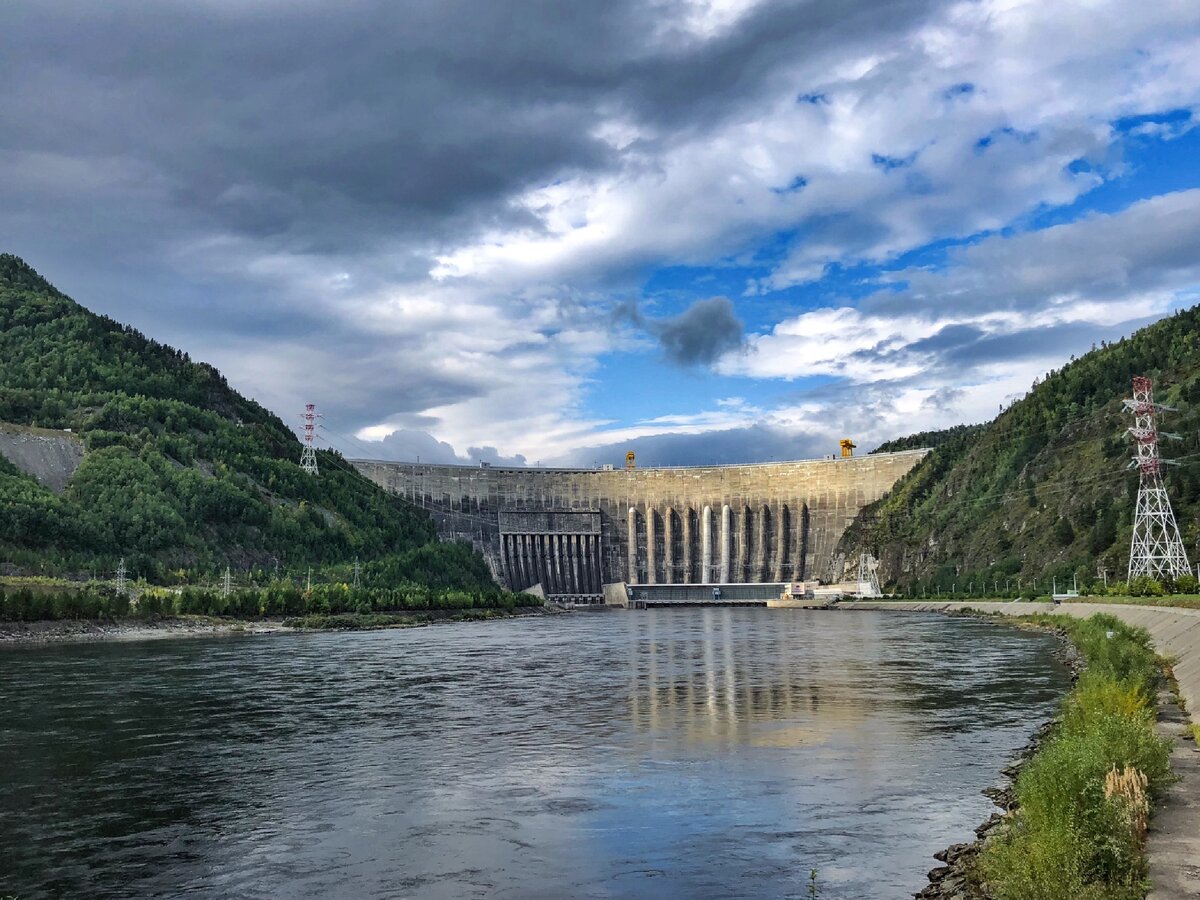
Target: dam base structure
575,530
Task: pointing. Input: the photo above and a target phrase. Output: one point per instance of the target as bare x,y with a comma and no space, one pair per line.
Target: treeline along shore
40,613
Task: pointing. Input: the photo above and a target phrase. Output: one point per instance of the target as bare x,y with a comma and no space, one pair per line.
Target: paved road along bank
1173,844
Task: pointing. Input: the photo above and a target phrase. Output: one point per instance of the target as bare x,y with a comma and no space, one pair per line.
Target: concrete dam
575,530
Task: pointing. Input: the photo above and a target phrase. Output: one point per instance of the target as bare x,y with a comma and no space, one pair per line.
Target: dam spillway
575,530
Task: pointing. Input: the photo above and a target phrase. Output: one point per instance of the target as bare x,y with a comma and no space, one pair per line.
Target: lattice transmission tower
122,579
1156,550
308,455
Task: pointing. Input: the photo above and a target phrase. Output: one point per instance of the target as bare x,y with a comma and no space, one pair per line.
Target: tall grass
1079,830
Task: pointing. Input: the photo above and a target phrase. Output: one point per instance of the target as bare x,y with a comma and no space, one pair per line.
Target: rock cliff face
49,456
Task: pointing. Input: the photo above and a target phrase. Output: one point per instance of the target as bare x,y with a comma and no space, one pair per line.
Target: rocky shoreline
68,631
950,881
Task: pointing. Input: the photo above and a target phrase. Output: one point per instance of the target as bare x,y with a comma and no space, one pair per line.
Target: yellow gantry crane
847,446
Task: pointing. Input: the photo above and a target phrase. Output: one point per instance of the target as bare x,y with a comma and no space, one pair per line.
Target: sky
548,232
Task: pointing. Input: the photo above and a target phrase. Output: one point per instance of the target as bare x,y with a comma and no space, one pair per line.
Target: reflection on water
665,753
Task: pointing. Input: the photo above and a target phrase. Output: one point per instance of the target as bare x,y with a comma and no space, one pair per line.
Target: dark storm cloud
317,124
699,335
702,333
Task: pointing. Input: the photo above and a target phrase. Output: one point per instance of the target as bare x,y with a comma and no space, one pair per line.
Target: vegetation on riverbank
1084,797
276,599
182,475
1168,601
370,621
1042,491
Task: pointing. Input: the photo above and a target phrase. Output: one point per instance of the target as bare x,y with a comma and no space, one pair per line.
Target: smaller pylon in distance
308,455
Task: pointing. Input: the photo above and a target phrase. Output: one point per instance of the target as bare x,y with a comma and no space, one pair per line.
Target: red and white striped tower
308,456
1156,550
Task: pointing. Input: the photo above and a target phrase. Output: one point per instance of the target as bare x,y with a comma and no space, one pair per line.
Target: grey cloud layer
318,125
269,185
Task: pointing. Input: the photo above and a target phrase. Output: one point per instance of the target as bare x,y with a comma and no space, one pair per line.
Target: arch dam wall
574,530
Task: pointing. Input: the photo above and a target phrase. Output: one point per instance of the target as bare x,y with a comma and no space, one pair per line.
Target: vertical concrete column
505,569
537,559
580,581
564,563
570,583
546,562
706,546
726,534
651,546
556,564
631,544
760,546
688,574
519,560
514,562
800,542
595,576
669,546
780,549
742,535
527,561
689,569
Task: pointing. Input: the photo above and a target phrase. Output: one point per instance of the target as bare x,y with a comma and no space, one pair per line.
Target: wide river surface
670,753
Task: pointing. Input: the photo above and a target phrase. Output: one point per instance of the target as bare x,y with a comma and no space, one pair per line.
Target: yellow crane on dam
847,446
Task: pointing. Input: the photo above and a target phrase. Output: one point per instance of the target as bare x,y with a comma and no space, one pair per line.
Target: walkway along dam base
575,530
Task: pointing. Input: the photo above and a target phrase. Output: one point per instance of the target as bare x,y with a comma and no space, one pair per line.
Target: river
669,753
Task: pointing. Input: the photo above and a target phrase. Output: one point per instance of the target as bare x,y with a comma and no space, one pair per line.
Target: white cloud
1039,82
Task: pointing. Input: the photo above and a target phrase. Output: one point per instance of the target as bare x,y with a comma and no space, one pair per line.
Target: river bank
952,880
59,631
1173,838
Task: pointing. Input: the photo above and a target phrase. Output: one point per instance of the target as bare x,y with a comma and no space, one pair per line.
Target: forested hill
1043,490
181,472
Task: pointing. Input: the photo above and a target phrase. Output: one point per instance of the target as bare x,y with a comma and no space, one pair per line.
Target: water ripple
670,753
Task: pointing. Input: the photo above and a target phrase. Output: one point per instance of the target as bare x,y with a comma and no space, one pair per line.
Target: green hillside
181,472
1043,490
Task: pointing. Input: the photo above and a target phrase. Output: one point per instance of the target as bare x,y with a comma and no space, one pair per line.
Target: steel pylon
1156,550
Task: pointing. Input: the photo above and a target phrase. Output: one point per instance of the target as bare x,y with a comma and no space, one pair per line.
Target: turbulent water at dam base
670,753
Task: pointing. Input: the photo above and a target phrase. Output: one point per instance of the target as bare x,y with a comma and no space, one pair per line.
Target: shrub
1079,828
1186,584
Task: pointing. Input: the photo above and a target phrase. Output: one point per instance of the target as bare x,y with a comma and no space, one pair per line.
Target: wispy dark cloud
700,335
